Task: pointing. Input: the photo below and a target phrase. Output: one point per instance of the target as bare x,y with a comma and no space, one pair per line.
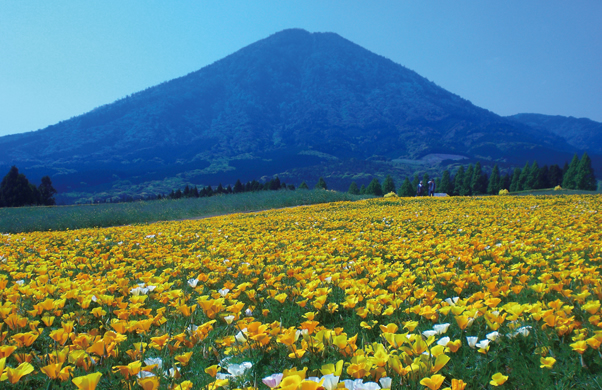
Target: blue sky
60,59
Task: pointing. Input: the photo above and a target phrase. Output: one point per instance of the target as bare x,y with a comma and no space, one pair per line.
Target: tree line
17,191
578,175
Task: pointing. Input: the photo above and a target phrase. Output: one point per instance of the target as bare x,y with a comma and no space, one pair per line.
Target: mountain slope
290,104
582,133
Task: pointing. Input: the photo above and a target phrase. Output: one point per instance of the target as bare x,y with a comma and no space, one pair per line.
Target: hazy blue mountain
582,133
297,104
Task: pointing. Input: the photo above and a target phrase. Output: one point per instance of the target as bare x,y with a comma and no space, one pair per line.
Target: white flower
145,374
151,361
221,375
229,319
369,386
273,380
151,288
239,369
472,341
429,333
172,372
452,301
493,336
483,344
351,384
330,381
139,291
441,328
248,312
444,341
240,337
385,382
224,291
523,331
20,282
193,282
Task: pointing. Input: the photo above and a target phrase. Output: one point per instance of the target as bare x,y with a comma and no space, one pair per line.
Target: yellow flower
434,382
87,382
498,379
14,374
547,362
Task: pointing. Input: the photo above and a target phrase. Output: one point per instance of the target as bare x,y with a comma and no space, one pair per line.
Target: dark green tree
515,180
585,178
15,190
353,190
505,182
466,189
554,176
46,192
321,184
275,184
533,179
363,190
406,188
493,187
478,184
523,178
569,179
388,185
446,184
238,187
374,188
303,186
415,182
459,180
543,177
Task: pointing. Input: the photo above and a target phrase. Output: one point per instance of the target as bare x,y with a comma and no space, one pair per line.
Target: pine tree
515,180
47,192
543,176
505,182
533,179
303,186
524,175
554,176
415,182
388,185
406,188
466,189
478,184
493,187
321,184
459,180
238,187
353,190
445,185
585,178
363,190
569,180
275,184
374,188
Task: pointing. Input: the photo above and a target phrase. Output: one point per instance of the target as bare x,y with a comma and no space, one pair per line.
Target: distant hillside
296,104
582,133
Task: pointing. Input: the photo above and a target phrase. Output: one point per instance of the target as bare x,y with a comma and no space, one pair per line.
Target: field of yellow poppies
383,293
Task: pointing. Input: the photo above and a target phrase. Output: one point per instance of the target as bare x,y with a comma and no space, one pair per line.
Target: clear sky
60,59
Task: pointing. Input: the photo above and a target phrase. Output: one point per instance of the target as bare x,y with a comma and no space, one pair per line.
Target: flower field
384,293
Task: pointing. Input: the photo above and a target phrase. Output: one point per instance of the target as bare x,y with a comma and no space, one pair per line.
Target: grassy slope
27,219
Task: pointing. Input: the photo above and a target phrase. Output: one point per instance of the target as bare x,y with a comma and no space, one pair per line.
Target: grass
551,191
29,219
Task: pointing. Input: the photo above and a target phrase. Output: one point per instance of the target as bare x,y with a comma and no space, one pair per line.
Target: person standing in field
419,189
432,187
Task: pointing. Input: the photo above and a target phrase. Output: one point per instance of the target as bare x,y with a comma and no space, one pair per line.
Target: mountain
296,104
582,133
